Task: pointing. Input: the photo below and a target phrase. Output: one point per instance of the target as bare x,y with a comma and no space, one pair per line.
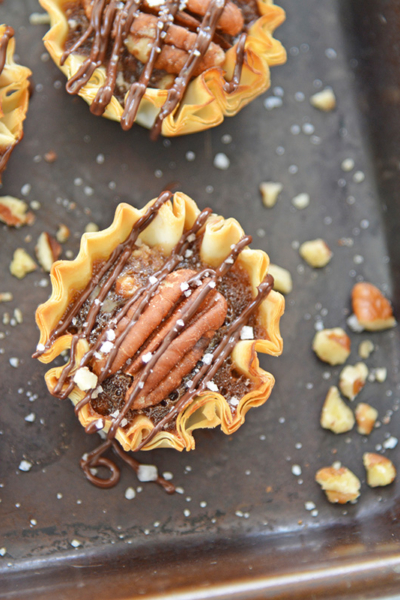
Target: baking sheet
248,529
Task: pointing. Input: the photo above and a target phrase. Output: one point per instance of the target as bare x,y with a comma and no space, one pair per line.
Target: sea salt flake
40,347
296,470
212,284
99,389
147,473
184,286
75,543
247,333
188,253
14,362
147,357
25,466
309,505
110,335
390,443
168,476
30,418
124,422
3,551
207,359
234,401
191,237
354,324
180,323
212,386
153,280
221,161
130,493
106,347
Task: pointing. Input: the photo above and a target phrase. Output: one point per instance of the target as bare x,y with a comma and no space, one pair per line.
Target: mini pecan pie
175,67
163,314
14,96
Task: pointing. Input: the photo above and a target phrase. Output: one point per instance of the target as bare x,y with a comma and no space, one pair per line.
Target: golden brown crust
206,102
209,409
14,100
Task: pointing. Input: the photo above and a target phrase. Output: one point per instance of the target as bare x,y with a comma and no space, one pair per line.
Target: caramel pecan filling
153,43
176,367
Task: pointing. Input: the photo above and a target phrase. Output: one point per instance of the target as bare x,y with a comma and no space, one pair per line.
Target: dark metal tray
253,538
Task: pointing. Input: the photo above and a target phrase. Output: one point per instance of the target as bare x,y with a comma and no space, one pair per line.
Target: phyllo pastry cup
14,96
175,68
164,311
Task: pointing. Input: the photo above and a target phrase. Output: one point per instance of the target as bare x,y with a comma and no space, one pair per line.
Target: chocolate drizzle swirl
5,38
203,282
110,24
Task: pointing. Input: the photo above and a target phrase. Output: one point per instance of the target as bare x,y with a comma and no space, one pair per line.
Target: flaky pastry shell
206,103
209,409
14,99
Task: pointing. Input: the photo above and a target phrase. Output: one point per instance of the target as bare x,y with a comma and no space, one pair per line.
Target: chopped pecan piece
336,415
380,470
339,484
352,380
22,264
332,346
13,212
372,309
47,251
366,416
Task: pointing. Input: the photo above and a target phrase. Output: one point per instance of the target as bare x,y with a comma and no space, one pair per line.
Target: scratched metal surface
253,528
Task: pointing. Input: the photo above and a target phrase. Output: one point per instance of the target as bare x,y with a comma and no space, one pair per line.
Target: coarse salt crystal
309,505
106,347
247,333
221,161
147,473
234,401
207,359
191,237
75,543
390,443
40,347
153,280
188,253
354,324
296,470
30,418
212,284
14,362
110,335
212,386
168,476
3,551
124,422
25,466
180,323
147,357
184,286
99,389
301,201
130,493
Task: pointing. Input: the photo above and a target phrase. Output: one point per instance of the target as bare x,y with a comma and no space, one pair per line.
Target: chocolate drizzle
110,24
5,38
202,283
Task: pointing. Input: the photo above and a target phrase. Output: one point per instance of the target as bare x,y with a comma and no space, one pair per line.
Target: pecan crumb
380,470
13,212
339,484
22,264
47,251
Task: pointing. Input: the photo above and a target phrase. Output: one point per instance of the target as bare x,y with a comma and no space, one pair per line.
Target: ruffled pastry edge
209,409
13,106
206,102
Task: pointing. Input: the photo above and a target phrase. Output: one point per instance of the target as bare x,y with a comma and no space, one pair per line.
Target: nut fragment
63,233
47,251
336,415
301,201
316,253
91,227
13,212
50,156
6,297
380,374
366,416
282,279
339,484
352,380
85,379
270,192
22,264
366,348
380,470
332,345
324,100
372,309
